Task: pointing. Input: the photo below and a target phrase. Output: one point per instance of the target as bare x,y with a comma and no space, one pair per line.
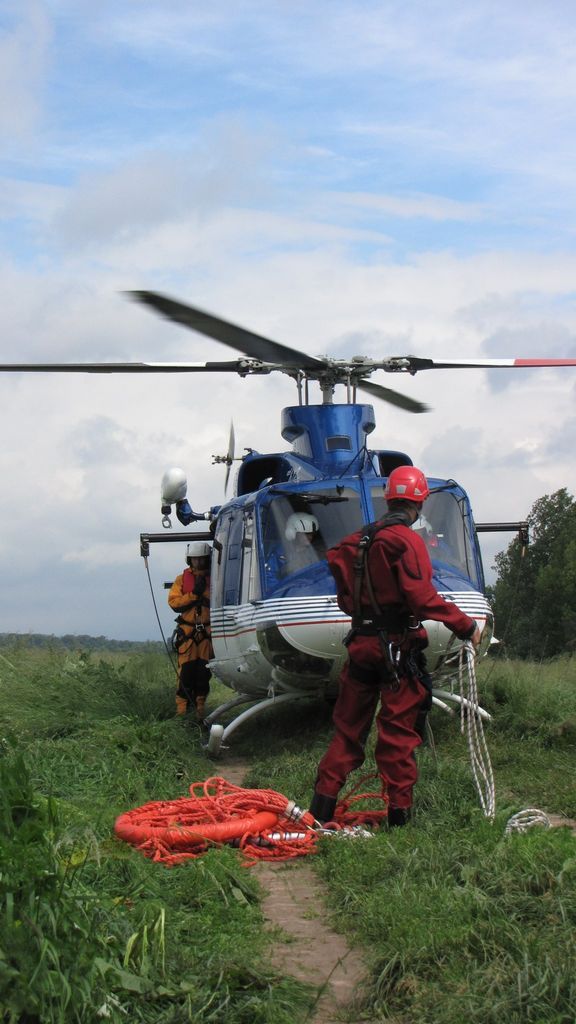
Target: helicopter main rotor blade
236,366
253,345
415,363
392,397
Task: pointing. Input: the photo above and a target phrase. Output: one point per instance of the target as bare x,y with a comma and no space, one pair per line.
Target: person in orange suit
190,597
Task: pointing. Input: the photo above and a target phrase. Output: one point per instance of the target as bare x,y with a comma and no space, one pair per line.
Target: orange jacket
193,618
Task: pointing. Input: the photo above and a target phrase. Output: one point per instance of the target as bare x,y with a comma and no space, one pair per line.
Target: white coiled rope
527,819
471,724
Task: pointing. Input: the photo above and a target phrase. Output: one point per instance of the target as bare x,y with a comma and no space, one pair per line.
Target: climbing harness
349,564
181,641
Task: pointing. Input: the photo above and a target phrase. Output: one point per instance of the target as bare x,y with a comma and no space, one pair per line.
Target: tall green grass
459,923
89,929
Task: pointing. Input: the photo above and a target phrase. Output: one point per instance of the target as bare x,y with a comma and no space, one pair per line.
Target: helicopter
277,630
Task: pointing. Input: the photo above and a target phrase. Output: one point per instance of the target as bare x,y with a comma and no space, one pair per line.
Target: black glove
199,585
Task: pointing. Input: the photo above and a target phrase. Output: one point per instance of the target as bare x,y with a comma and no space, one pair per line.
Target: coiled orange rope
344,816
262,823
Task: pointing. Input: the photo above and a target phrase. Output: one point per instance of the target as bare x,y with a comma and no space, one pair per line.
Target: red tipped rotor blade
417,363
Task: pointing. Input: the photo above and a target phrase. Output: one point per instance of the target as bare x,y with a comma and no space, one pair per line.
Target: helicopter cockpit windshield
444,526
298,528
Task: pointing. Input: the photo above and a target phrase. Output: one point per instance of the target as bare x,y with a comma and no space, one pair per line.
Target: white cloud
36,201
424,206
155,187
24,52
342,207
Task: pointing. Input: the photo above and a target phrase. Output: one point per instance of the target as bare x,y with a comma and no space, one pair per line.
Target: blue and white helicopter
277,630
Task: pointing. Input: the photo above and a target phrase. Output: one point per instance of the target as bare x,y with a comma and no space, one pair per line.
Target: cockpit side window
443,526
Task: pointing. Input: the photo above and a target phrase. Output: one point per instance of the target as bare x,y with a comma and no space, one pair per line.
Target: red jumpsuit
401,574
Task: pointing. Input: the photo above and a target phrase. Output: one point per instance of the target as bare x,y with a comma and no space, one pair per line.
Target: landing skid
439,697
220,733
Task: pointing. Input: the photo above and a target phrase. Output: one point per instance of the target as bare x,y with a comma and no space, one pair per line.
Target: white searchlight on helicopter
173,490
174,486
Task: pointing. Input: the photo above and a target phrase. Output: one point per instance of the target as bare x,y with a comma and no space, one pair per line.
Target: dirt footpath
559,821
303,945
313,951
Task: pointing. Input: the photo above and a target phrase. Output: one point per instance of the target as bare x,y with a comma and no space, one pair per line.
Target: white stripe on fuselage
232,620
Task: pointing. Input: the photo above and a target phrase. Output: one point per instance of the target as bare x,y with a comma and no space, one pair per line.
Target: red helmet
408,483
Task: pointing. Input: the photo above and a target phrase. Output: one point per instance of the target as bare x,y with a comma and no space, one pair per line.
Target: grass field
459,923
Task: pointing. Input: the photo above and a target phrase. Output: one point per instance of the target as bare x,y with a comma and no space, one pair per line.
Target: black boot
322,807
398,816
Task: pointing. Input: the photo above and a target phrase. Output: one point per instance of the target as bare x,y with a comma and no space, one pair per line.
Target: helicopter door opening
250,582
226,575
234,574
445,526
226,572
298,528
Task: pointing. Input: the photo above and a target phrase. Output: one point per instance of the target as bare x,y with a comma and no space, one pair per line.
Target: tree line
534,597
74,642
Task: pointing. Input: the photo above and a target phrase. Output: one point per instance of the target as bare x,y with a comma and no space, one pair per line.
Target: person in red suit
385,653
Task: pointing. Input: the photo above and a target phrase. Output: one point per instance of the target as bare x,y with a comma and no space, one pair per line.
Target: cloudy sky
368,178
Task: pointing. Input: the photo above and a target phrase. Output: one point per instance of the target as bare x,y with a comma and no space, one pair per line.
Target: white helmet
422,525
300,522
198,549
